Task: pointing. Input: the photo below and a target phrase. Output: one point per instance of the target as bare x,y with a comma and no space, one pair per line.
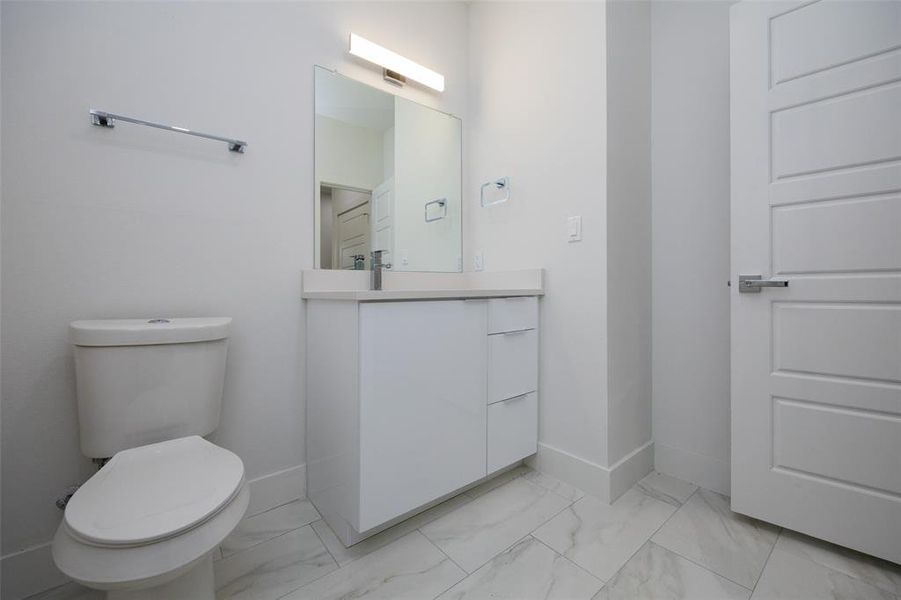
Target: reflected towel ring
502,184
442,202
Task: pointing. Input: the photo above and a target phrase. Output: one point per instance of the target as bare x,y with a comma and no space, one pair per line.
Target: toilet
146,525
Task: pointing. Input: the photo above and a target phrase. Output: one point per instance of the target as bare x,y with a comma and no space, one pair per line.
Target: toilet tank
141,381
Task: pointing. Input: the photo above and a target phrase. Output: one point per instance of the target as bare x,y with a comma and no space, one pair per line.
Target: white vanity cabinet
411,401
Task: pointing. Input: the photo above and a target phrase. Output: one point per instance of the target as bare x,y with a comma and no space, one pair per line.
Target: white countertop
354,285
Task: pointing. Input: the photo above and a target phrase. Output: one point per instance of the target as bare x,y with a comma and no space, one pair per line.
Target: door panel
840,340
422,403
816,176
856,447
850,130
865,29
804,236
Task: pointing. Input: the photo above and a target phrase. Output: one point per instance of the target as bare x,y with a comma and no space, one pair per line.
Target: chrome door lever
751,284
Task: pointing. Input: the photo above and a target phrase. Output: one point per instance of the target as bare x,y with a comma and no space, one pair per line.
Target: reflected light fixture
395,64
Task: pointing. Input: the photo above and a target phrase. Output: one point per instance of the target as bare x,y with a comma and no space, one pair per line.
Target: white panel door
816,201
383,219
352,236
422,403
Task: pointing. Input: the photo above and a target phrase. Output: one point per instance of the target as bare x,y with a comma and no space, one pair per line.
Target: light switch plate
478,261
404,257
574,229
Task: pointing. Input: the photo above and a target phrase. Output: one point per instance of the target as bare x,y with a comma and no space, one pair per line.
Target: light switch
404,257
478,261
574,229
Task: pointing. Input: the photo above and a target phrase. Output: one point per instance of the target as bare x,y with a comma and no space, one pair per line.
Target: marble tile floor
524,535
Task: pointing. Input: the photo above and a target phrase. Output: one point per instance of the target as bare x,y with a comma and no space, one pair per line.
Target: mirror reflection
388,177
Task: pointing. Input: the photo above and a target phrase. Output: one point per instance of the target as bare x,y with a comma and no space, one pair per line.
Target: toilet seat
139,567
200,496
151,493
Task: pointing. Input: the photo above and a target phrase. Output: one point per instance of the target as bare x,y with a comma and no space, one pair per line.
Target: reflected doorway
345,227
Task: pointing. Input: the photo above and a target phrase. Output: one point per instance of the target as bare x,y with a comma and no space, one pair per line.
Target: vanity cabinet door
422,403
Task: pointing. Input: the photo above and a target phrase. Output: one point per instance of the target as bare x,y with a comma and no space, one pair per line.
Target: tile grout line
856,577
275,537
653,533
493,556
693,561
222,555
384,530
766,562
419,531
322,541
570,561
315,579
465,573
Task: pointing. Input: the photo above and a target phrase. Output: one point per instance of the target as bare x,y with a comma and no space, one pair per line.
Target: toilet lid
149,493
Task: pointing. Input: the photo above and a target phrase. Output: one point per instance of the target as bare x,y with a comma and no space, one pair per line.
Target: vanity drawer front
512,430
512,314
512,364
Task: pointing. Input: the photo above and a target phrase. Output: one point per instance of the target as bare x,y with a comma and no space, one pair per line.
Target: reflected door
383,220
352,236
816,201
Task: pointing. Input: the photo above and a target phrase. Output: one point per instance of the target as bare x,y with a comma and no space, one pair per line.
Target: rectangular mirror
388,177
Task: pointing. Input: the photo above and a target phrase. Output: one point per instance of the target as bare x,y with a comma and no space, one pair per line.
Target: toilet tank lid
141,332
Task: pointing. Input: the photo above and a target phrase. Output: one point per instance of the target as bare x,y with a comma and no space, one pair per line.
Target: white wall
427,166
133,221
629,231
690,124
348,155
537,113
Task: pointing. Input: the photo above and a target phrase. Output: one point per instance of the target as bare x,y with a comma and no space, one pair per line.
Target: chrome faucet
375,267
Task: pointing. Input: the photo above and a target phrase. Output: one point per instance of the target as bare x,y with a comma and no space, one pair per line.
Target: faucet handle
386,266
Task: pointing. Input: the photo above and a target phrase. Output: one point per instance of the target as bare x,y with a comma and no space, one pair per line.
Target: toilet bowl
147,524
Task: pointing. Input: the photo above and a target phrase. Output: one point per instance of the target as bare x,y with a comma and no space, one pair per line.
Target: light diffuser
372,52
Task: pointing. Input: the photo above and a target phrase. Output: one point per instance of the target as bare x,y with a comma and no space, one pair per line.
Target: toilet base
196,584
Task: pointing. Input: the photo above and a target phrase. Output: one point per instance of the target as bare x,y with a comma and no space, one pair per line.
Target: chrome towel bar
105,119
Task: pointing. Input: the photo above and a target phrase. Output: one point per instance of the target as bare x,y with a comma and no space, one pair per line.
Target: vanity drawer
512,364
512,430
512,314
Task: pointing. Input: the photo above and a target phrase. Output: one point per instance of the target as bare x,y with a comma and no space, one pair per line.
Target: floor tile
528,571
69,591
880,573
706,531
601,537
345,555
410,567
273,568
655,573
570,492
668,489
476,532
790,577
495,482
267,525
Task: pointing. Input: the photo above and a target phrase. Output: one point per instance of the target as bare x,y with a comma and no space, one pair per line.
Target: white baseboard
32,570
629,470
28,572
709,473
277,488
607,483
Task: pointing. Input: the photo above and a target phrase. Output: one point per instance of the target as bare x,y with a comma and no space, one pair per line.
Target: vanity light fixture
396,67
